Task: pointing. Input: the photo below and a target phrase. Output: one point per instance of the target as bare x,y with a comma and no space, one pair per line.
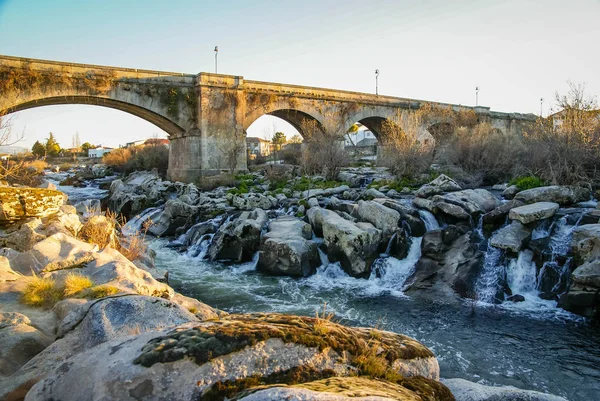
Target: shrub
145,157
133,247
41,292
117,159
527,182
75,283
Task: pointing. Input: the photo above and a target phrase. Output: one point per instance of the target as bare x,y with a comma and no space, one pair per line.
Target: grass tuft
75,283
41,292
102,291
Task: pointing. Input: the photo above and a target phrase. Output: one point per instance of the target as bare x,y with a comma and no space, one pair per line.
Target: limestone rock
88,207
498,215
56,252
510,192
239,239
287,250
252,201
533,212
466,203
585,242
588,274
6,273
382,217
563,195
325,192
372,193
426,204
264,346
27,235
21,203
441,184
511,237
409,215
175,214
465,390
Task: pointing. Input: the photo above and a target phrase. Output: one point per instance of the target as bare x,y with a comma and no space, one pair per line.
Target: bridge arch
296,118
171,128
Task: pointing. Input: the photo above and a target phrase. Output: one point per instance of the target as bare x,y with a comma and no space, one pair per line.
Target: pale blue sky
516,51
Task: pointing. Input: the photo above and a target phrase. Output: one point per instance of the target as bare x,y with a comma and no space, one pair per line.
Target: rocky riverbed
499,285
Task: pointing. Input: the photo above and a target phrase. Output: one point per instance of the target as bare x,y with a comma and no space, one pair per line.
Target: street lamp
477,96
216,54
376,83
541,107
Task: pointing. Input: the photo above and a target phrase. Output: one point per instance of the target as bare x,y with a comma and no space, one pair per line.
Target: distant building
353,139
4,156
135,143
98,152
258,147
157,141
558,117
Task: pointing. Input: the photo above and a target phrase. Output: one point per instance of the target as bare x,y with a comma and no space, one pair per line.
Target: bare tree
7,137
231,149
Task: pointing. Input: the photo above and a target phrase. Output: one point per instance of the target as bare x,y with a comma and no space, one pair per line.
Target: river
531,345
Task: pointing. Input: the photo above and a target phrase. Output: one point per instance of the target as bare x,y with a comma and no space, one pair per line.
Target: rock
585,243
22,203
99,230
498,215
426,204
352,389
175,214
372,193
450,264
313,202
510,192
464,390
287,250
56,252
325,192
211,355
441,184
409,216
563,195
516,298
382,217
239,239
533,212
466,203
252,201
20,342
23,239
354,245
511,237
47,185
6,273
588,274
88,207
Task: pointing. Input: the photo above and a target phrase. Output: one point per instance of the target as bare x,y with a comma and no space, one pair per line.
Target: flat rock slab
534,212
465,390
563,195
511,237
588,274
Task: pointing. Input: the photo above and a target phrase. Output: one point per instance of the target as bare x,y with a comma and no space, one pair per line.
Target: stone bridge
207,115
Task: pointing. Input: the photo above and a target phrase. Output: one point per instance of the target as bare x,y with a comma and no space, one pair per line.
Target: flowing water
531,345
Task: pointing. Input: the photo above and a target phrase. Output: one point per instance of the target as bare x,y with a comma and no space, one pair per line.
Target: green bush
527,182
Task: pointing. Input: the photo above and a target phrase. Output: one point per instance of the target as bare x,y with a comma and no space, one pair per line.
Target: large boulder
56,252
20,341
563,195
287,248
239,239
409,215
585,243
22,203
253,201
22,238
6,272
497,216
465,390
511,237
354,245
325,192
380,216
441,184
450,264
533,212
222,358
175,214
462,205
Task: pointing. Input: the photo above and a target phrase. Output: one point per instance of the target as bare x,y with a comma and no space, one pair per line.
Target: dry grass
41,292
99,230
76,283
101,291
133,247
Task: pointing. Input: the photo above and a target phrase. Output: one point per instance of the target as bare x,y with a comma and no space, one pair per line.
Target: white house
360,135
98,152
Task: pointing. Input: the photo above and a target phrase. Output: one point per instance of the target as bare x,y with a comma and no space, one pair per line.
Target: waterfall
388,248
135,225
429,219
488,283
521,274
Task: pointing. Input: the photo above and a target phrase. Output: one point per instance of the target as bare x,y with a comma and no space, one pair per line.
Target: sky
516,52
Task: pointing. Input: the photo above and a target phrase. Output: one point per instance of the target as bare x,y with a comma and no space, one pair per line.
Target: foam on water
429,219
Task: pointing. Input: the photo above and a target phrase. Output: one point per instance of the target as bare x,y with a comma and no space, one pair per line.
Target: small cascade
200,248
479,228
323,257
388,248
521,274
135,225
390,274
429,219
489,283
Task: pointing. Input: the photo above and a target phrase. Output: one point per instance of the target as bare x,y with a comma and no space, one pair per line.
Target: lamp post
541,107
376,83
477,96
216,54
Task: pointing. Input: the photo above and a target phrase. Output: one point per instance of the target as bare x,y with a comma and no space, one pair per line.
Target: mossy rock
22,203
